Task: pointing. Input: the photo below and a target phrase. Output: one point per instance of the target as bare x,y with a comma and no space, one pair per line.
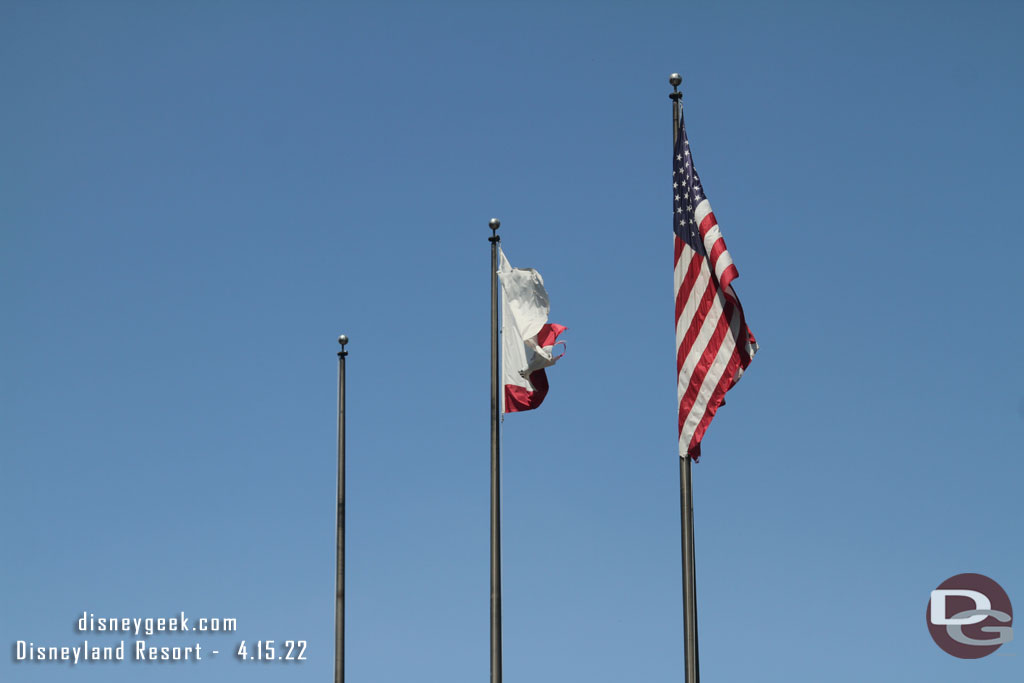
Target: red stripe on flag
707,223
520,398
549,333
729,274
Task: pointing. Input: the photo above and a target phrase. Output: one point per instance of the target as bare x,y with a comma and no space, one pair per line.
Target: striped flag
713,343
528,340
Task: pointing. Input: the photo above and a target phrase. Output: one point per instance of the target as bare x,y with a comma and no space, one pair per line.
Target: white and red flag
713,343
528,340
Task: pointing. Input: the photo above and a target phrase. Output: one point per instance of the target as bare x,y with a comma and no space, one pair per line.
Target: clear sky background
196,198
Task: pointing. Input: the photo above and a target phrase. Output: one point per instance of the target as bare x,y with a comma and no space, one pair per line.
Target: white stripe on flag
701,211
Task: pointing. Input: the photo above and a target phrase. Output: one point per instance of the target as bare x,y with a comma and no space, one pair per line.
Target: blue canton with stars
688,193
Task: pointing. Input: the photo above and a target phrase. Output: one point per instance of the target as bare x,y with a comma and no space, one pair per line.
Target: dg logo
969,616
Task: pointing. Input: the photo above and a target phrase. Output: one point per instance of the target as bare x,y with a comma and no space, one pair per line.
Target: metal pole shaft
689,573
339,607
686,493
495,470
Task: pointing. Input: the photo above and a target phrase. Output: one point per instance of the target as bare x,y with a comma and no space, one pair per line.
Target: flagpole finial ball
675,80
343,339
494,223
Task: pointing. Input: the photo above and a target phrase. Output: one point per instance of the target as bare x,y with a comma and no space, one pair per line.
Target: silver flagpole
686,491
495,462
339,606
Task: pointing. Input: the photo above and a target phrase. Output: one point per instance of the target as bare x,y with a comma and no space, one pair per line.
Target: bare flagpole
686,490
495,462
339,606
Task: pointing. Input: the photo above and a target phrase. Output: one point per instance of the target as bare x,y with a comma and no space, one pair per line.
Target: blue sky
197,198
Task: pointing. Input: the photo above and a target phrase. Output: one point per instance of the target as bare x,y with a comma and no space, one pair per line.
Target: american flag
713,343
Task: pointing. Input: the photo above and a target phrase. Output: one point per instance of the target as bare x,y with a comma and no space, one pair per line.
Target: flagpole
686,491
495,462
339,606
